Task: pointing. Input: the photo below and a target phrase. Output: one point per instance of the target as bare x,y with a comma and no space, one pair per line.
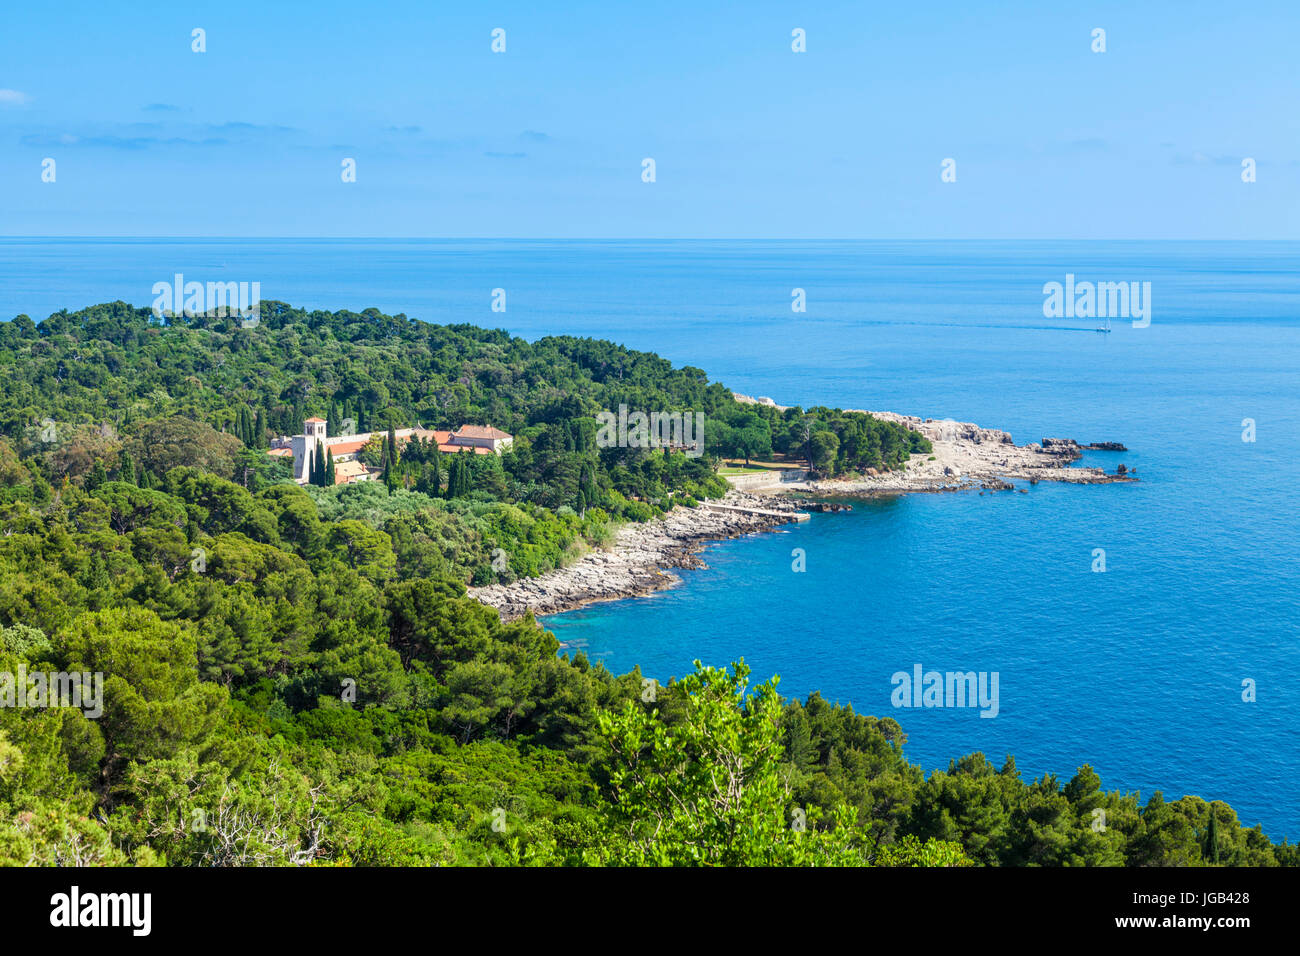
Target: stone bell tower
304,447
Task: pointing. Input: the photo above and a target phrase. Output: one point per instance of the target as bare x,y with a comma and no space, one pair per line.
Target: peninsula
642,558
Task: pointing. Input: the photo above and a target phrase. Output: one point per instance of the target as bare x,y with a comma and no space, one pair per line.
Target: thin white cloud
13,98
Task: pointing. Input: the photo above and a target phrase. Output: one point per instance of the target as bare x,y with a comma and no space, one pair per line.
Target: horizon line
161,238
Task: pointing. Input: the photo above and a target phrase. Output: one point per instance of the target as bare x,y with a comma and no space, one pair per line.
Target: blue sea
1137,671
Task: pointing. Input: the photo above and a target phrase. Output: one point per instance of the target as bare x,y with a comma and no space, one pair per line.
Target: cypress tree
1212,838
452,467
126,468
329,468
389,475
259,430
466,475
318,465
97,476
95,577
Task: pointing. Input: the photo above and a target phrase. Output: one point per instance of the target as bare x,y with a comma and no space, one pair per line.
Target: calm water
1138,670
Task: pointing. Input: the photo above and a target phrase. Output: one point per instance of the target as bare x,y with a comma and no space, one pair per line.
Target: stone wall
766,479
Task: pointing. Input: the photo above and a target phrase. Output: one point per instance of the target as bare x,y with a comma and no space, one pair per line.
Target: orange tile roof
315,419
348,469
480,431
427,435
472,449
346,447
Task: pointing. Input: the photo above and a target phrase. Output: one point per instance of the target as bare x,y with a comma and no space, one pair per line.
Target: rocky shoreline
641,558
966,457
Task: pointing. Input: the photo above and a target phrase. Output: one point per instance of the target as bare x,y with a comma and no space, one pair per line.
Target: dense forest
296,675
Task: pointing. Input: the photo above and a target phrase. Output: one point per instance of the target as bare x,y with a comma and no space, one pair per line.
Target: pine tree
1212,837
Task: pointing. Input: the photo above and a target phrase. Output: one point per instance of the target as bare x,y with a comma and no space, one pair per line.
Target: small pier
734,509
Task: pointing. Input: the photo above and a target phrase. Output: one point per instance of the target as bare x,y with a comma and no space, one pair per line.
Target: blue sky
750,139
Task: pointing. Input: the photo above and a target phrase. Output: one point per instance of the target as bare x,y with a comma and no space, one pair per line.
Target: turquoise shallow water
1137,671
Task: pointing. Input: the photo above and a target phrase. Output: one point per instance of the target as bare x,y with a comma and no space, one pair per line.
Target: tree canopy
296,675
